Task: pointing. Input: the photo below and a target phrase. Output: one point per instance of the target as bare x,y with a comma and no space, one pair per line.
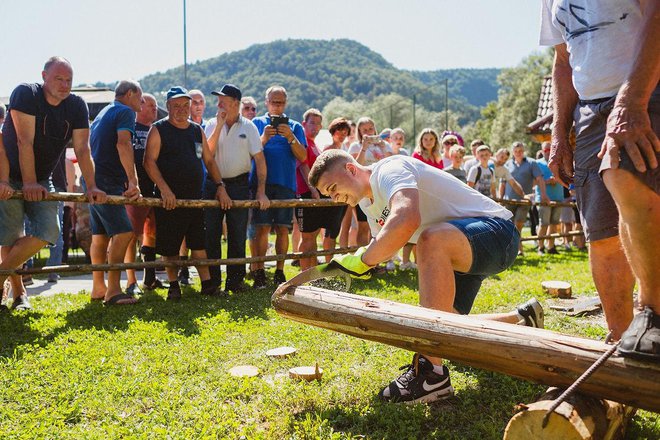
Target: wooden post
580,417
533,354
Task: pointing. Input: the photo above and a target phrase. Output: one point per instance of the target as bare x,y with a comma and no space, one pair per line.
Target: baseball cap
229,90
177,92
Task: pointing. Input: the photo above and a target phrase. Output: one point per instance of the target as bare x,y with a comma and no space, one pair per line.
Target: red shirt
438,165
312,154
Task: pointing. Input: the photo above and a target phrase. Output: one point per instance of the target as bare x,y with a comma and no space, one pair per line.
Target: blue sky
112,40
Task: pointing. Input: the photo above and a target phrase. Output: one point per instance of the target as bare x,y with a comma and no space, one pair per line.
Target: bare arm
212,167
25,126
151,153
80,141
401,224
127,159
260,164
516,187
540,182
564,100
628,125
304,172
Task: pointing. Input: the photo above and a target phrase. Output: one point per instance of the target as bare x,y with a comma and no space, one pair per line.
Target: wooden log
526,202
72,268
545,237
533,354
559,289
184,203
580,417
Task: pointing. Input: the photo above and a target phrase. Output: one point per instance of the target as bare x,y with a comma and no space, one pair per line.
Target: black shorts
312,219
175,225
359,213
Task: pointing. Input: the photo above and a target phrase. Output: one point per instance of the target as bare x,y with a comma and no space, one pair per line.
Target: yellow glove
353,264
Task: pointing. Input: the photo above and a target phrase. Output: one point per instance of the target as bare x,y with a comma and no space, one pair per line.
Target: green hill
316,71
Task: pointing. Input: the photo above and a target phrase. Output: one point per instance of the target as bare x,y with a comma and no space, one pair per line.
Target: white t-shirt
600,36
373,154
485,179
442,197
236,146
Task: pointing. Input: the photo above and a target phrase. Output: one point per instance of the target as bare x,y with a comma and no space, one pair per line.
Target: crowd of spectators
236,155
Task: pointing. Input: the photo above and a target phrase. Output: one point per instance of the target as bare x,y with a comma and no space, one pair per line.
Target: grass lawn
75,369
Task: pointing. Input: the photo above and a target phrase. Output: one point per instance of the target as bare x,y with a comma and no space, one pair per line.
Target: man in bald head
41,120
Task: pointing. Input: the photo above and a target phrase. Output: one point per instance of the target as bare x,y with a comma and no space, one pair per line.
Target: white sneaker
390,266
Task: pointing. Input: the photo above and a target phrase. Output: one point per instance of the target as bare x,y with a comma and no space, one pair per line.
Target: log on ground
537,355
580,417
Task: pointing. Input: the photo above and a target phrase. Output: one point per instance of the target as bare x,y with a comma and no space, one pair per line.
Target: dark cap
177,92
229,90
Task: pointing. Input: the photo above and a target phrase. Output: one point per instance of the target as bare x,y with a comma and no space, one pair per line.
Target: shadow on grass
474,412
470,414
16,329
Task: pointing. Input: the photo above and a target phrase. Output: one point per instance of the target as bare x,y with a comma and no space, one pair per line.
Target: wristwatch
219,184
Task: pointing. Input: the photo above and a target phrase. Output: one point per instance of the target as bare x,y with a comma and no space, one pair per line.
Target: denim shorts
494,242
42,216
106,219
275,216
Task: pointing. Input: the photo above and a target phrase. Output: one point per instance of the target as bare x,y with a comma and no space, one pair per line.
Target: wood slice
307,373
281,352
244,371
560,289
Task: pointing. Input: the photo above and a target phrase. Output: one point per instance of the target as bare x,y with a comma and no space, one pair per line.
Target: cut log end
579,418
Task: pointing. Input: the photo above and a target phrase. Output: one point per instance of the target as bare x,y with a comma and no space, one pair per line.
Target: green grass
74,369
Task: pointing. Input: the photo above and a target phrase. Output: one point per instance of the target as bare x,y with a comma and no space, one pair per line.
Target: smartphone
276,120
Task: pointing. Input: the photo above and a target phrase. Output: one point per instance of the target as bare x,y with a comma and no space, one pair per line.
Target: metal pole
414,121
391,119
446,104
185,49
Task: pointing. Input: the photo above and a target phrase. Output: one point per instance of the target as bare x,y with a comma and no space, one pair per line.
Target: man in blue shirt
112,149
283,140
526,172
548,215
42,119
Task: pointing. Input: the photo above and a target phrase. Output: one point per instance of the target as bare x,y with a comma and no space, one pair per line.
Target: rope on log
68,268
288,203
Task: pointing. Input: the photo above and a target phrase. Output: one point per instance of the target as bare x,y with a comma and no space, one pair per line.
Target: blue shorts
109,220
42,216
494,242
275,216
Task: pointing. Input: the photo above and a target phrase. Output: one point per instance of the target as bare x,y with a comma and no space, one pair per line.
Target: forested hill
316,71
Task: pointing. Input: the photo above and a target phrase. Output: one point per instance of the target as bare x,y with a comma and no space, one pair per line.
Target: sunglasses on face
249,108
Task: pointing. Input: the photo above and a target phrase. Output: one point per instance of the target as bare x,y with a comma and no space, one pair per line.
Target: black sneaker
553,251
532,312
233,287
133,289
184,279
174,293
259,277
279,277
642,338
21,303
419,383
155,284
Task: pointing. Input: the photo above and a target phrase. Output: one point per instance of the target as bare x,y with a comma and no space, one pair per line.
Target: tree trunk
534,354
579,417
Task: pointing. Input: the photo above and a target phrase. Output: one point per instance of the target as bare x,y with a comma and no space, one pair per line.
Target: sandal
114,301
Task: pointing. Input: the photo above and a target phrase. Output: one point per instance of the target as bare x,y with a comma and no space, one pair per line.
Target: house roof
544,114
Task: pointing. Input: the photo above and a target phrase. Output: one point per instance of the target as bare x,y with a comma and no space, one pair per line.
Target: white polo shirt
236,147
